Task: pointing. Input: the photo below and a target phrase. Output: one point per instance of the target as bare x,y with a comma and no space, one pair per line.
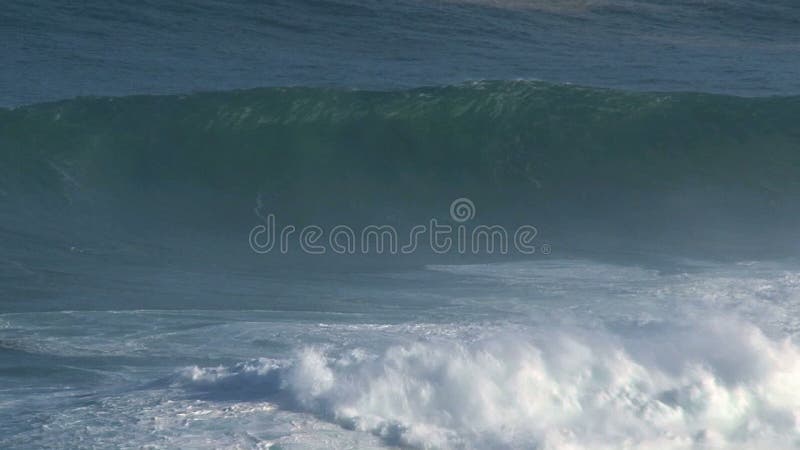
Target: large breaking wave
549,154
524,134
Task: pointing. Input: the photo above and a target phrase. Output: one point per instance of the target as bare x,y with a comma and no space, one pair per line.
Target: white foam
718,384
551,355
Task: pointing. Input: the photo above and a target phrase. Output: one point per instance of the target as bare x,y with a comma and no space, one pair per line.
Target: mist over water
653,146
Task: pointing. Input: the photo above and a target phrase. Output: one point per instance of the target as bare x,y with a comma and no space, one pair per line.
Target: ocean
466,224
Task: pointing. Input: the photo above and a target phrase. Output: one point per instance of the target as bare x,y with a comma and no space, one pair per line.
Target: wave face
316,153
535,134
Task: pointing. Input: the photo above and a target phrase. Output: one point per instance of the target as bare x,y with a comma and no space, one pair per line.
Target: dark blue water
134,314
61,49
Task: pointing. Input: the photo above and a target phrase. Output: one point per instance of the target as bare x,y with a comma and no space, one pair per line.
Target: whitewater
548,354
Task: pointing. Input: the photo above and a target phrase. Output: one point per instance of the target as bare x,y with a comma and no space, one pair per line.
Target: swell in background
54,50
